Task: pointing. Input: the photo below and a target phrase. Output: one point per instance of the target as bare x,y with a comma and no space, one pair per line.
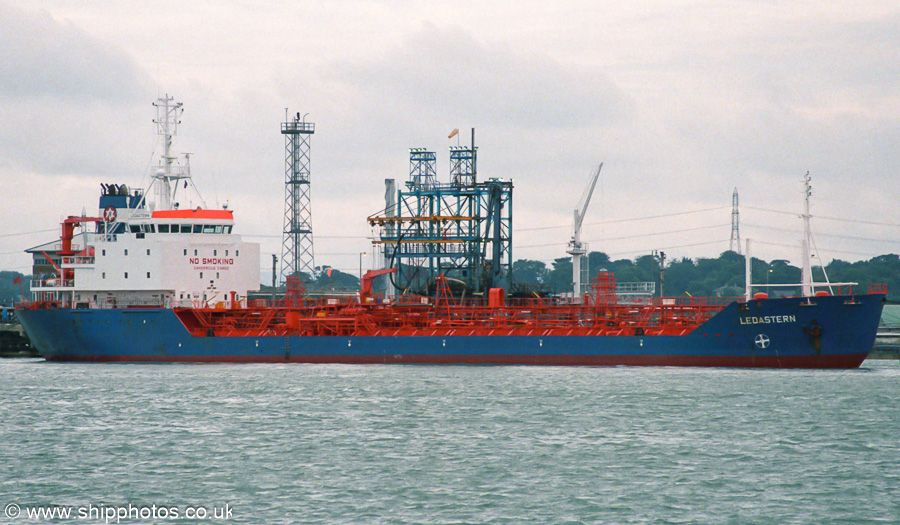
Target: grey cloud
40,57
447,71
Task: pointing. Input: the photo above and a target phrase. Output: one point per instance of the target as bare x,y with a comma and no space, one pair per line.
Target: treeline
702,277
324,279
706,277
11,291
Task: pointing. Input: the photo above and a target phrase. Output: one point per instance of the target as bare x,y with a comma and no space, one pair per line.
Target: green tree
723,276
11,292
530,272
328,279
598,261
681,277
560,277
883,269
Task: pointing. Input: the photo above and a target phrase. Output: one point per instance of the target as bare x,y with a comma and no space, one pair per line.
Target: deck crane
576,248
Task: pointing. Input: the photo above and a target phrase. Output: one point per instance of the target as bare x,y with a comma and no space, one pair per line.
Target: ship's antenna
810,240
167,119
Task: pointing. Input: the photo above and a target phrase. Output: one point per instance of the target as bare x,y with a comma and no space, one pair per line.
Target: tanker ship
163,282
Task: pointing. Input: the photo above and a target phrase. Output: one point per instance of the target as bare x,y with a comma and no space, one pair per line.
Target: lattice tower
297,253
735,223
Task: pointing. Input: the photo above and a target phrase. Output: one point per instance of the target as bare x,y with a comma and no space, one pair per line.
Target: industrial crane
576,248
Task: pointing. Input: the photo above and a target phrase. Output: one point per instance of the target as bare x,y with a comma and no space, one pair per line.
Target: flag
329,272
453,133
17,280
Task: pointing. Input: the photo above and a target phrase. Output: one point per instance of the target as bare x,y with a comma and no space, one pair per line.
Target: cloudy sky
682,100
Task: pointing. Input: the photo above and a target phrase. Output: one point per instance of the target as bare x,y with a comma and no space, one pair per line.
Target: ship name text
769,319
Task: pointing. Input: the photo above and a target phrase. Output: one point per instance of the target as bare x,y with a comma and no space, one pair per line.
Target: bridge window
219,228
227,229
163,228
142,228
185,228
198,228
209,228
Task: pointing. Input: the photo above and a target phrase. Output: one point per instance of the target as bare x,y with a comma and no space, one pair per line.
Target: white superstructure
140,255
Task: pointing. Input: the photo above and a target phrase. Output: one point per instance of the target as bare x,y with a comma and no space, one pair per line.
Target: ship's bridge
193,221
190,221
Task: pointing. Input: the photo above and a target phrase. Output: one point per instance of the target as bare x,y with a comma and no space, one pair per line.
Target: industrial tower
297,244
735,223
461,229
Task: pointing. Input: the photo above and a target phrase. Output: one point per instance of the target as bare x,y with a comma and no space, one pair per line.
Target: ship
166,282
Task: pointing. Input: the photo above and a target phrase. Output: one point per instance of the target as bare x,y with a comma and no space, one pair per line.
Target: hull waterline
771,333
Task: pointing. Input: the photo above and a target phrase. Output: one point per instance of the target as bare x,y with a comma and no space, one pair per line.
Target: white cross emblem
762,341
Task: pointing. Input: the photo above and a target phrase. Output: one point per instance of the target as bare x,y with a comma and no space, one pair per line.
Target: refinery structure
461,229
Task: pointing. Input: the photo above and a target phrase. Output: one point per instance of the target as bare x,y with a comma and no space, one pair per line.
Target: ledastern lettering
769,319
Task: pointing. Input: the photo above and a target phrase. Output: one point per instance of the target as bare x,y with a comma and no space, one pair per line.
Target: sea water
262,443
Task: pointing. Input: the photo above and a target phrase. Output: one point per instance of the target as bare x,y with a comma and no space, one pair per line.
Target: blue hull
775,333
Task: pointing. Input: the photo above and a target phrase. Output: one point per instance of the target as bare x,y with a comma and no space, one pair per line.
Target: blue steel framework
297,253
462,229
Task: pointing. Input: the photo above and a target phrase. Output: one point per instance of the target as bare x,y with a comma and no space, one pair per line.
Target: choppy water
448,444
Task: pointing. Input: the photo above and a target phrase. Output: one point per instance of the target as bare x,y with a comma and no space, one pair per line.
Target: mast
169,172
806,272
748,273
